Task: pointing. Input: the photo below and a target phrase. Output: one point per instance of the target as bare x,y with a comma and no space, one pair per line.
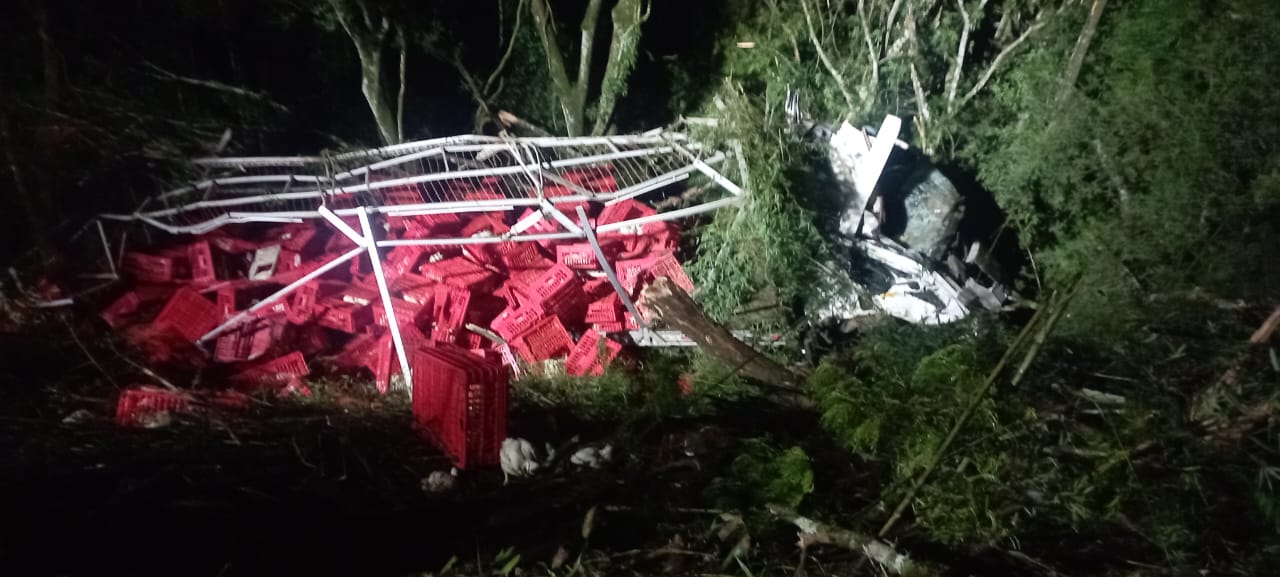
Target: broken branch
876,550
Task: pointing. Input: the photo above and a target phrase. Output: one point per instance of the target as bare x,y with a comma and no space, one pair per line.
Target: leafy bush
762,474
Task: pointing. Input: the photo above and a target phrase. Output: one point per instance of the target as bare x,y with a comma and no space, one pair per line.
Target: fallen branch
671,305
874,549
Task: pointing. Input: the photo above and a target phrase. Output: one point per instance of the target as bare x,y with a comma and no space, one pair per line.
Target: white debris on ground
440,481
592,457
518,459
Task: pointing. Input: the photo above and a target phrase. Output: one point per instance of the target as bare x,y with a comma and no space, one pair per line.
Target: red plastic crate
543,341
406,312
116,313
460,401
346,317
625,210
400,261
521,255
188,314
578,256
606,328
587,358
295,238
200,258
667,265
244,344
136,402
555,284
512,322
604,310
485,222
449,307
278,371
148,268
303,303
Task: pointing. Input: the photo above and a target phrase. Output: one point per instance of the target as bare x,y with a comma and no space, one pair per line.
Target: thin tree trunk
368,33
572,96
622,58
404,61
1082,48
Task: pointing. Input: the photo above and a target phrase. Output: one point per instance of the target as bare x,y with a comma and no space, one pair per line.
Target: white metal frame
253,190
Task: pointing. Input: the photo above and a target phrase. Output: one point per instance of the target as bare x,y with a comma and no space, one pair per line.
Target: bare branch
262,97
888,21
506,56
404,60
589,21
991,69
826,60
960,51
873,58
816,532
1081,48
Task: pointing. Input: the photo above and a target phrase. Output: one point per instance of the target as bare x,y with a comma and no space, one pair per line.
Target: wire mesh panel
459,174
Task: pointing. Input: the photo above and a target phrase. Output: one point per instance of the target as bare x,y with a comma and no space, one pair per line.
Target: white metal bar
671,215
387,305
479,239
233,321
560,217
711,173
106,249
342,227
608,270
638,189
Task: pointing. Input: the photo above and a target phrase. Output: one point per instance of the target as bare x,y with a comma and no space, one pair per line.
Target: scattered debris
440,481
432,264
902,230
592,457
518,459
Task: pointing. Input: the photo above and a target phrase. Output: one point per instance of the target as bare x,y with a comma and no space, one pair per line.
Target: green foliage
896,399
1160,171
610,396
770,241
764,473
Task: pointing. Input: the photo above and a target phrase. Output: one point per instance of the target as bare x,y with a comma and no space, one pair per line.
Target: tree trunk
671,305
368,33
622,58
1082,48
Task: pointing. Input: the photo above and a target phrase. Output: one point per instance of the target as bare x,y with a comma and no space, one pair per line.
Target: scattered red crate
148,268
534,295
545,340
136,403
189,315
587,357
200,259
121,308
460,401
278,371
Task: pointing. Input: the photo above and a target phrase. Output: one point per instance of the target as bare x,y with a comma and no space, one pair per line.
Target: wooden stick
876,550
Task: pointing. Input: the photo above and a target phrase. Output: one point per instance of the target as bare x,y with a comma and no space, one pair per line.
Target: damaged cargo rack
431,264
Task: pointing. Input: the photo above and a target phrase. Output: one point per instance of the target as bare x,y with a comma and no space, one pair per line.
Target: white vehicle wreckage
901,234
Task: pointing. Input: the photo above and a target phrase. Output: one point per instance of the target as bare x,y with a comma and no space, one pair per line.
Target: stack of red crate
545,299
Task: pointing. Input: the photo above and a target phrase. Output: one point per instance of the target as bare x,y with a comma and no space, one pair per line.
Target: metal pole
342,226
233,321
386,300
106,248
608,271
